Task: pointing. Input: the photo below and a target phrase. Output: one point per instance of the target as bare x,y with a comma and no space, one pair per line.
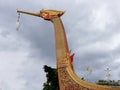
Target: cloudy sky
93,32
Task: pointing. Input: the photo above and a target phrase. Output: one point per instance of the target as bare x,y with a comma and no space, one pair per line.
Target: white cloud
12,56
10,65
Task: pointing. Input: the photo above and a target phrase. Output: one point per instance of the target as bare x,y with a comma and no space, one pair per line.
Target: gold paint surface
68,80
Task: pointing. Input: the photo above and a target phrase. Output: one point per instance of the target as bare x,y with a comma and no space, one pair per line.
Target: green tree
52,79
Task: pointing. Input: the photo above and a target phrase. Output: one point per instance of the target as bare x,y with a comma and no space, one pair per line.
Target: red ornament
72,57
47,15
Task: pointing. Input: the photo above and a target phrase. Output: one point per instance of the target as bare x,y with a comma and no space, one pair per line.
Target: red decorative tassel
72,57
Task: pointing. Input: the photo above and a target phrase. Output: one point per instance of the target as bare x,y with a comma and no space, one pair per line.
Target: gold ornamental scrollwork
64,60
67,82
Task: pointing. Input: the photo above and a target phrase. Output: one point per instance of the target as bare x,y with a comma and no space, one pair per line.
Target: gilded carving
67,82
64,60
67,79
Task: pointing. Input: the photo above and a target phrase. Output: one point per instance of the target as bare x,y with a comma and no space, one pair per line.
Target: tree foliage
52,78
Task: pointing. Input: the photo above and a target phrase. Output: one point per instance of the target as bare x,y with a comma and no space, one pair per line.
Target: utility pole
108,75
